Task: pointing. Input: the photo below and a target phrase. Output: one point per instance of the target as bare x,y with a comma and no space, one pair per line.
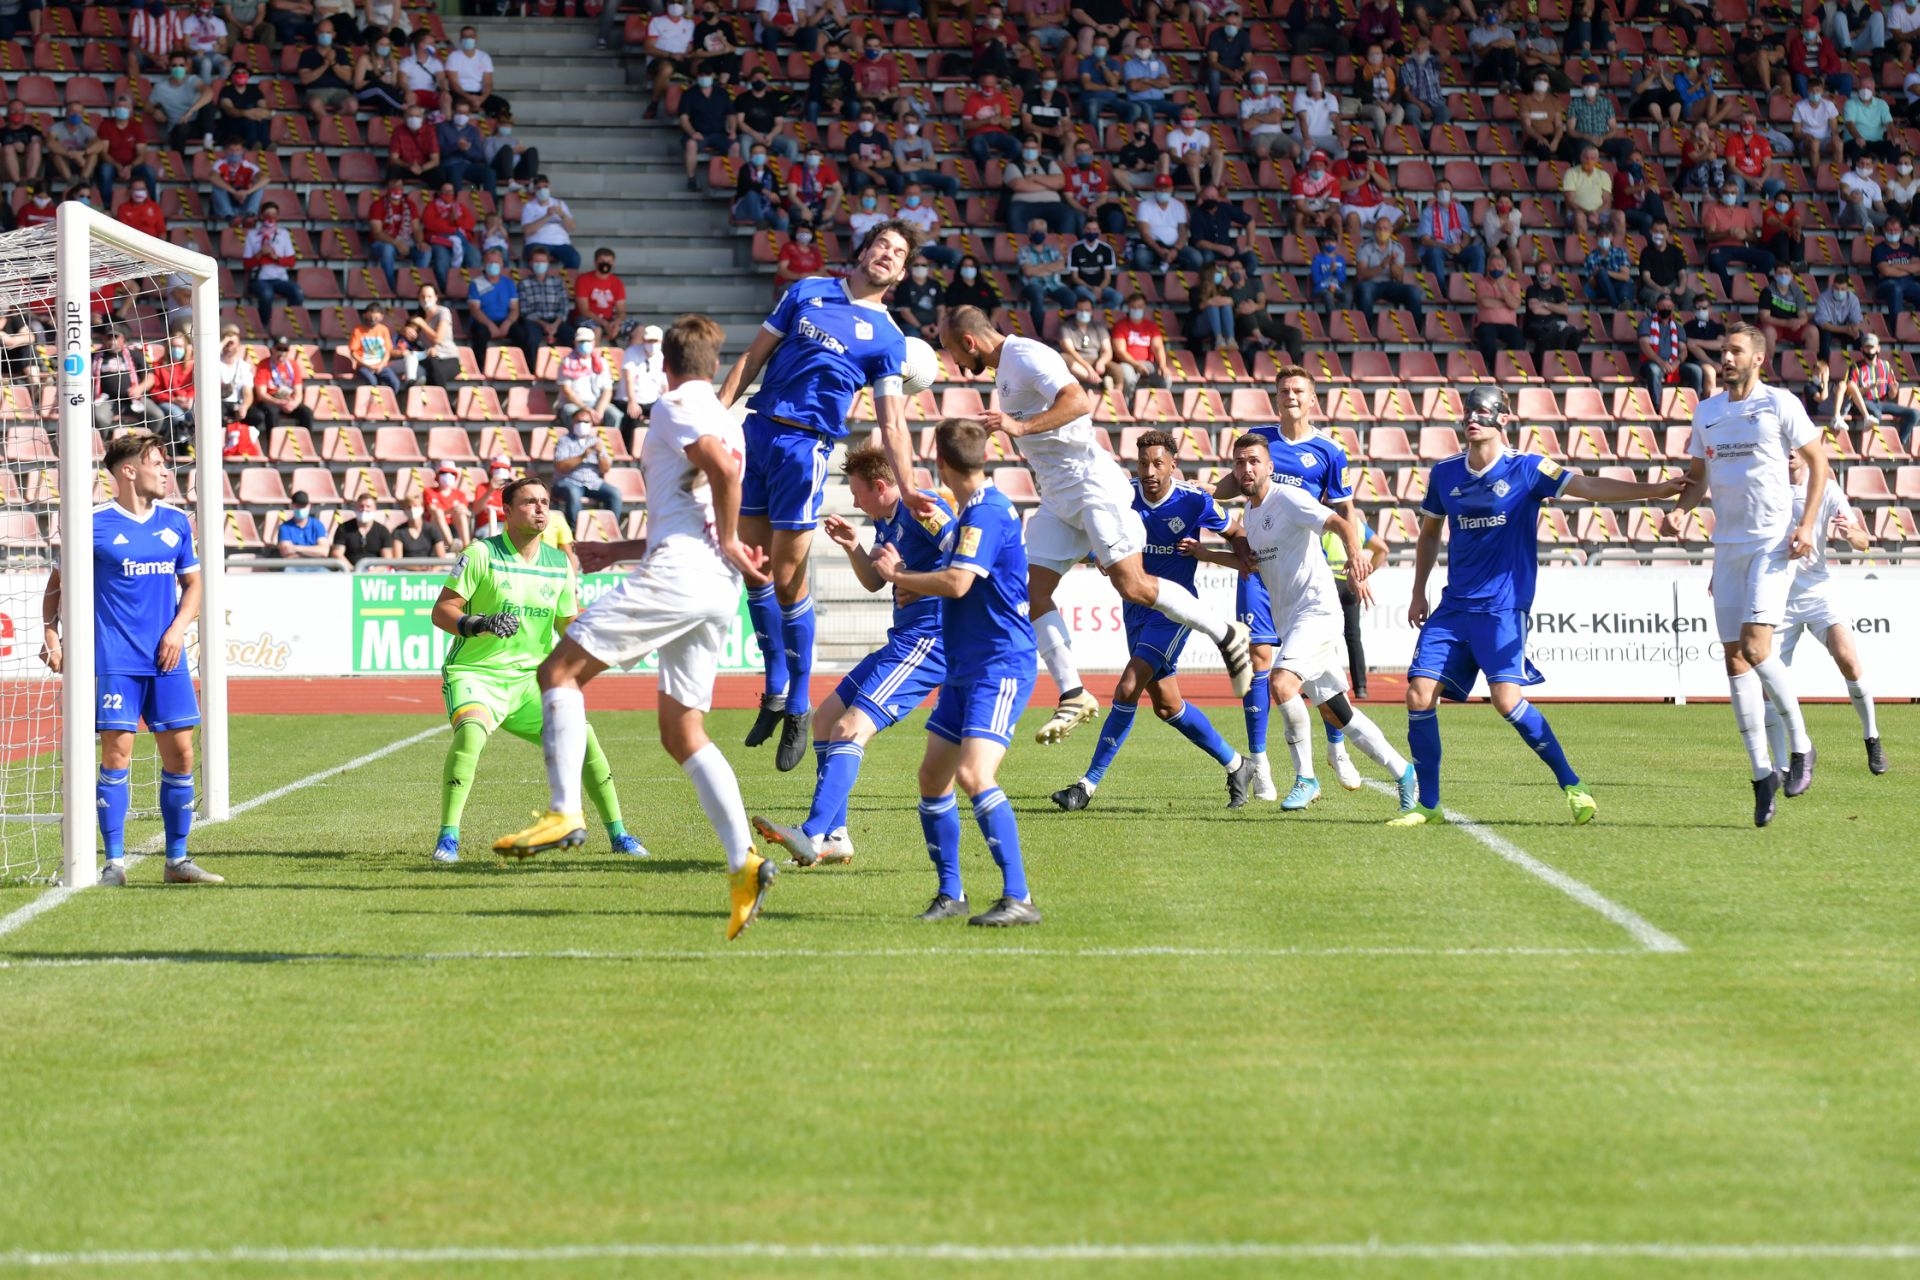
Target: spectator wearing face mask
1878,388
1786,315
1263,115
869,158
600,300
1381,275
1663,350
915,160
277,390
668,42
1781,230
585,382
1316,197
1608,273
761,117
1138,166
1149,81
1139,348
74,150
830,87
1663,270
1812,60
1749,155
171,393
1162,232
236,184
915,303
642,375
814,188
1732,238
236,378
986,119
463,154
1901,187
1364,183
707,123
1446,238
1698,96
1896,270
1543,126
1547,323
760,193
429,330
394,231
1316,117
1046,113
1103,85
493,306
269,259
798,258
1816,126
1501,232
547,223
1225,59
867,215
1190,155
1496,315
1635,197
379,85
129,140
301,535
142,212
545,303
971,287
1093,269
1042,275
580,460
876,81
1376,85
1494,50
469,70
1329,281
487,509
414,540
916,209
1705,337
365,537
513,162
1863,205
413,153
22,148
1837,315
448,511
1036,188
446,224
370,350
1087,348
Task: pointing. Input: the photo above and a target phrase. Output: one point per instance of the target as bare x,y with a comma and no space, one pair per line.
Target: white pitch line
1644,932
1196,1251
19,919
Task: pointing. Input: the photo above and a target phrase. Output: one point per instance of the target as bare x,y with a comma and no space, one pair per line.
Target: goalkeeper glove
504,625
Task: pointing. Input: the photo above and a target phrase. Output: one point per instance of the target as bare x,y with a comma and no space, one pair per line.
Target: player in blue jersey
889,682
1489,498
146,594
829,337
991,657
1173,513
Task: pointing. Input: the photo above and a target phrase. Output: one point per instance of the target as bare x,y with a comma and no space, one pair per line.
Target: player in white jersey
1741,440
1086,505
679,603
1810,610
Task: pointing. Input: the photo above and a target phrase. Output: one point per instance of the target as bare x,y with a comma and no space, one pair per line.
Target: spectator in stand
1816,126
1263,116
1382,275
413,540
152,35
1812,60
580,459
469,70
1103,86
1543,125
1494,51
643,377
1148,81
1209,322
301,536
915,161
1190,156
1093,269
876,81
73,148
446,224
1589,194
1663,270
1446,238
870,157
1363,186
918,210
1219,229
448,512
1496,316
1608,272
1750,160
236,379
122,380
1162,240
600,300
668,43
1705,338
463,154
987,115
585,383
1316,197
1501,234
1655,96
1593,121
1663,351
236,184
1863,205
813,187
142,212
1896,270
990,41
1042,275
830,87
1317,26
1903,32
424,74
277,390
170,395
269,259
916,302
544,304
1139,348
429,331
1047,114
394,231
1139,160
247,20
1548,326
1036,188
1225,59
413,153
1699,95
365,537
1732,237
1089,194
1588,28
325,73
1087,348
1786,317
292,20
971,287
1316,117
1378,23
1047,32
708,123
760,193
493,306
1421,93
716,45
1329,280
547,223
39,208
1879,389
129,142
379,85
760,116
485,513
1759,56
513,162
1837,315
1377,86
1539,52
22,149
1902,188
1255,329
1635,196
799,258
787,21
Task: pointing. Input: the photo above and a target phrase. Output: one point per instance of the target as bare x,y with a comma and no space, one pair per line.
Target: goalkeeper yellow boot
747,889
551,830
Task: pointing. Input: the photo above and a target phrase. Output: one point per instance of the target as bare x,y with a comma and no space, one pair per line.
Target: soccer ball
920,369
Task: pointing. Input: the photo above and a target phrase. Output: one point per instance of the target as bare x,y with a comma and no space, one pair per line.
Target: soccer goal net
103,329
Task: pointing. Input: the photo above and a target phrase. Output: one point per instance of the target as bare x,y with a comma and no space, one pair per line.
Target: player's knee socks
713,782
1335,733
563,740
111,795
1779,689
940,823
176,811
763,608
1002,831
1113,735
1256,706
456,776
1778,746
838,772
797,620
1294,724
1423,739
1750,717
1197,729
1374,744
1055,643
1538,734
1176,602
596,777
1863,707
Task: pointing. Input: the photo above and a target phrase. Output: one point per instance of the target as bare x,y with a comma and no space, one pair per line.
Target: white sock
713,781
1367,735
1777,746
1750,716
1297,728
1779,687
1260,762
1176,602
1056,649
1863,707
563,741
1236,762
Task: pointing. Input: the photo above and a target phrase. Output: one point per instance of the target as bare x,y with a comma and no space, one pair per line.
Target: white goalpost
59,279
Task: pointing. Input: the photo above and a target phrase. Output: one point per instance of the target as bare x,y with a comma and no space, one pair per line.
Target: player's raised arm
747,368
896,441
1426,552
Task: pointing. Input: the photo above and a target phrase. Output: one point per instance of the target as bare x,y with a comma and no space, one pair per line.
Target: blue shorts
164,702
1154,638
786,473
1251,606
985,708
1455,645
895,678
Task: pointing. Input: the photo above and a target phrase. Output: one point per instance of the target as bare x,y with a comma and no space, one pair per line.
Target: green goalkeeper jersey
493,578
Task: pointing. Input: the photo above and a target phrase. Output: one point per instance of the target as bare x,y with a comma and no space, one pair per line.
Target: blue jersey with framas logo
1492,520
137,565
831,346
923,546
986,631
1317,464
1183,513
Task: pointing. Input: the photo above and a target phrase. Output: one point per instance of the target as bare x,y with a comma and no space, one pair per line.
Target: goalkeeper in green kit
508,601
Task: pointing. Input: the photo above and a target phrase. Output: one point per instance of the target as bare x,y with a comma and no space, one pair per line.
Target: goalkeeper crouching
508,601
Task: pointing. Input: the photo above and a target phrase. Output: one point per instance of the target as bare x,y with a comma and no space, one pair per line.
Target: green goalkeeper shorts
509,702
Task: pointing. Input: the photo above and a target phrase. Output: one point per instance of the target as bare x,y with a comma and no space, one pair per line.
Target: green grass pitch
1283,1032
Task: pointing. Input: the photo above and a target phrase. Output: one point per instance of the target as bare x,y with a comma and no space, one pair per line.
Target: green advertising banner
393,631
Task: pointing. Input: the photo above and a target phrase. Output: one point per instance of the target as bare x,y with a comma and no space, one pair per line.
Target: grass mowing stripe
1644,932
47,901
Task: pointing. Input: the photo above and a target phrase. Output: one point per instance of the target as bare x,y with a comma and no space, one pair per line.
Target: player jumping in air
1086,504
1490,498
509,599
828,337
989,645
1174,514
1810,610
889,682
1741,440
146,593
680,603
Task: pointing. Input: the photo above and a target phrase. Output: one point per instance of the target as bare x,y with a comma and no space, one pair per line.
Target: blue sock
838,773
940,821
1002,830
1538,734
176,811
1257,704
1197,729
1423,739
764,610
1335,734
1113,735
111,794
797,622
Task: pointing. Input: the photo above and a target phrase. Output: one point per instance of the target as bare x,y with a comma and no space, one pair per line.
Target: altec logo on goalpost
73,361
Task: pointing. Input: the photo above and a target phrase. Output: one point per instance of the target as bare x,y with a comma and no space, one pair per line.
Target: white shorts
1112,530
1751,581
1811,612
680,603
1315,649
1370,214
